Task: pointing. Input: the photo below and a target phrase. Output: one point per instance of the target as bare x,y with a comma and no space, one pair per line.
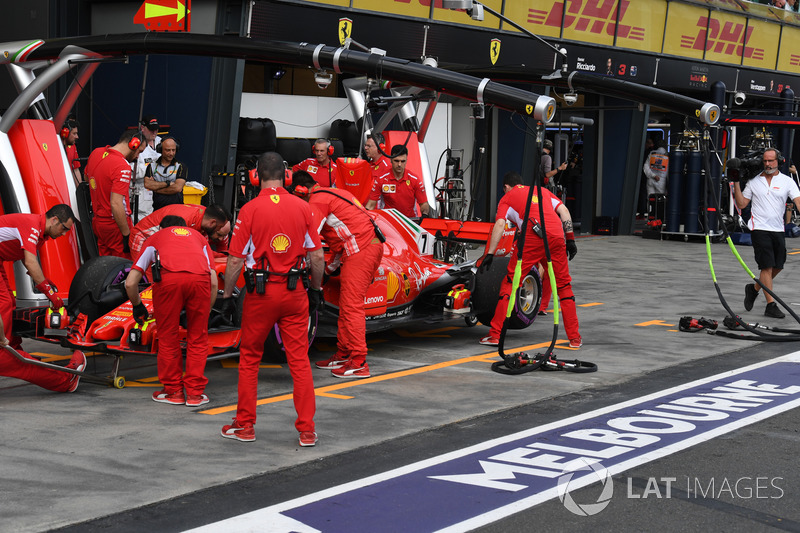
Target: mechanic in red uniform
347,227
21,237
69,135
188,282
108,172
273,234
511,209
213,221
321,166
380,165
398,188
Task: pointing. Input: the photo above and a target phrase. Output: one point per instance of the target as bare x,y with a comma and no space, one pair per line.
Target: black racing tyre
273,347
99,286
487,287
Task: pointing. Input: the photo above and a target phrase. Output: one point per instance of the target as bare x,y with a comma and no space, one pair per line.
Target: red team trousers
533,254
358,270
289,309
12,367
109,238
177,291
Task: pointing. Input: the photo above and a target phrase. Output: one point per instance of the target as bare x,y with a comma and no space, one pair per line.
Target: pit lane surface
71,458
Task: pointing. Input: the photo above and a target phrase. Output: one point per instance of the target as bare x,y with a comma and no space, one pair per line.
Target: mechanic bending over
213,221
512,208
185,279
766,194
108,172
274,234
398,188
21,237
348,228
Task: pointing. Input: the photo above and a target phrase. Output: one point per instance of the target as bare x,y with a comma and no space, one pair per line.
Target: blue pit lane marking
478,485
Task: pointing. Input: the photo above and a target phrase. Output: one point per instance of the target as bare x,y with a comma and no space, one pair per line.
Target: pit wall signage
724,31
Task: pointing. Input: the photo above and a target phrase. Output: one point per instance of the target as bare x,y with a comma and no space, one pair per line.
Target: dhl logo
730,39
592,16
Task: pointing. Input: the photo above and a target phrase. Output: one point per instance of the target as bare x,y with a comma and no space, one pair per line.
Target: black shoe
750,295
772,311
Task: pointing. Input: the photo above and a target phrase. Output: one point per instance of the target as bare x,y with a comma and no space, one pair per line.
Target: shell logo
275,198
180,232
147,294
280,243
392,286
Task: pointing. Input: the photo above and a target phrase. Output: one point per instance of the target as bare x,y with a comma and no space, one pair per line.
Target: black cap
547,144
150,122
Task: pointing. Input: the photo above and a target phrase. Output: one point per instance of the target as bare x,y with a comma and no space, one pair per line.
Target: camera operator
766,193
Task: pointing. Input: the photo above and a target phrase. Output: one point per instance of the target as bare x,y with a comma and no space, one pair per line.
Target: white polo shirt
768,203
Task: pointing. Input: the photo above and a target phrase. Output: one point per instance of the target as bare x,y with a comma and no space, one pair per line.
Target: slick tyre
487,287
99,286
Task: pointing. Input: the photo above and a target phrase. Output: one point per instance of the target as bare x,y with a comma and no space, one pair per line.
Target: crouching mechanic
21,237
213,221
354,239
184,279
512,208
274,233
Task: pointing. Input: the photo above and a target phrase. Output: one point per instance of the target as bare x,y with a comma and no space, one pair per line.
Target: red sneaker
489,341
351,370
576,342
336,361
175,398
76,362
196,400
308,438
241,432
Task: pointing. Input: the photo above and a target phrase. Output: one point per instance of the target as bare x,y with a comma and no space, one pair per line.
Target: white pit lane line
472,489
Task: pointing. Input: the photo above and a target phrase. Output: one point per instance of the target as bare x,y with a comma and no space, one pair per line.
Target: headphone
136,141
778,155
381,144
67,127
301,191
330,147
168,137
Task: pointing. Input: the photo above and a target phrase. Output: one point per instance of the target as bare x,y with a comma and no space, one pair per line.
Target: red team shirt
380,167
325,176
20,232
345,227
180,249
192,214
399,194
281,242
512,208
72,157
107,171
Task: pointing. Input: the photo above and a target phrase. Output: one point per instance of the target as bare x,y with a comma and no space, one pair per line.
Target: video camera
744,169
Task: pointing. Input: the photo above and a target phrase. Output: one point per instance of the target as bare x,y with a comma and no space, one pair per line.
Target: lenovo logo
591,16
730,39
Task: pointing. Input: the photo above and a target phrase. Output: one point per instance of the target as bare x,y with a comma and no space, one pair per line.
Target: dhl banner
789,56
725,31
682,33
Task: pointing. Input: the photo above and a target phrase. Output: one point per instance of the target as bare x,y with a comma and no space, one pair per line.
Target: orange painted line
655,323
591,304
337,396
322,391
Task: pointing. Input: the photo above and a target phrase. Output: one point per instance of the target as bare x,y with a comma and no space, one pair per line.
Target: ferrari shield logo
528,109
275,198
345,30
408,182
494,50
